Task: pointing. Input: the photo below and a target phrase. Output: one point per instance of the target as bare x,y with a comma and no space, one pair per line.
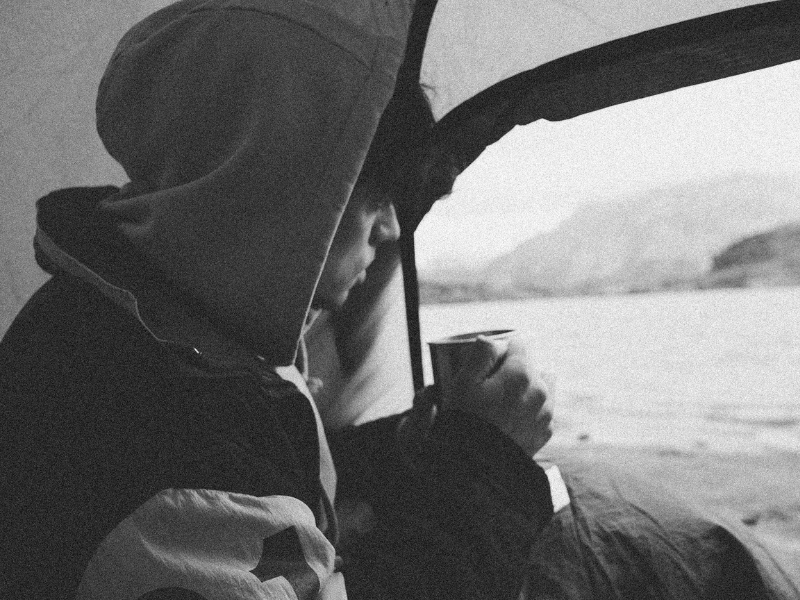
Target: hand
504,390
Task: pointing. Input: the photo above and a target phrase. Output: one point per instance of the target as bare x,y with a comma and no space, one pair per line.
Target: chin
339,301
330,302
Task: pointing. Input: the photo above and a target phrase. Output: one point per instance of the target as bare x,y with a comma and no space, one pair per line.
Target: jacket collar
161,312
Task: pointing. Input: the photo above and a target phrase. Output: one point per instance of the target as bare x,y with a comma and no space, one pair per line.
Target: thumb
315,385
481,360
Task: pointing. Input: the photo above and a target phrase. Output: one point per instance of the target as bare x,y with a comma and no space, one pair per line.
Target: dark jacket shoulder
99,416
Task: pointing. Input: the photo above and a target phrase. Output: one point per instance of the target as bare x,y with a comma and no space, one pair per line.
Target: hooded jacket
158,440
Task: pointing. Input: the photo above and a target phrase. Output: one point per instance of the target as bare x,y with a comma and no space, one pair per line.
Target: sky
536,175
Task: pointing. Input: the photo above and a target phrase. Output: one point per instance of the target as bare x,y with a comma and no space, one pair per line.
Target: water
717,370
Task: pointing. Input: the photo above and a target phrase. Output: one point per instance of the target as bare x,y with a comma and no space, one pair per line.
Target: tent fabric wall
53,55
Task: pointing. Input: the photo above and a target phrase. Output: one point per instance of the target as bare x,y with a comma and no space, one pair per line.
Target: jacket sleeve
456,521
206,545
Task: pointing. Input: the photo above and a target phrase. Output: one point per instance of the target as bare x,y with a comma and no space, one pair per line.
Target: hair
404,159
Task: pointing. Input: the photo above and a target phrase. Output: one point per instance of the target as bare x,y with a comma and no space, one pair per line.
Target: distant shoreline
441,293
627,249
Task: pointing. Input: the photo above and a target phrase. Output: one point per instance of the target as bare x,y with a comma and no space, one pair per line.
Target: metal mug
449,354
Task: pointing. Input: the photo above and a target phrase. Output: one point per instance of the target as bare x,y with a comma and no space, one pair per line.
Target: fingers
532,413
516,375
315,386
534,424
498,383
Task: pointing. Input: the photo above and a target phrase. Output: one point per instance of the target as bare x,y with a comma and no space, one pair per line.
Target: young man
158,441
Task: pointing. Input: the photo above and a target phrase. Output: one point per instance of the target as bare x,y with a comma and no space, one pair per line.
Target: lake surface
716,370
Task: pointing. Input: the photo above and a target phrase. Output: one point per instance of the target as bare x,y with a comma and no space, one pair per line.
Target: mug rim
468,338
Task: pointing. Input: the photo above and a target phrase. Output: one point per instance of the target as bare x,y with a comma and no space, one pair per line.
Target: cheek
349,251
352,238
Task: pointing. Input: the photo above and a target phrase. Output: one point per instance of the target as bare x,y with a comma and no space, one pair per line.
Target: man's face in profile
368,221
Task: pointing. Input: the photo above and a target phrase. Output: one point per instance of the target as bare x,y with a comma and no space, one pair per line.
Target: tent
473,71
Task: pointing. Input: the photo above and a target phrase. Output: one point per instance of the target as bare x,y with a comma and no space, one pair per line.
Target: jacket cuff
484,449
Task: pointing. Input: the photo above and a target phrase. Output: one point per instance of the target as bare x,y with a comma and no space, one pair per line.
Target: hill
767,259
665,238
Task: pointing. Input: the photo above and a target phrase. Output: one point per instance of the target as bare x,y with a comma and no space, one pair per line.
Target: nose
386,227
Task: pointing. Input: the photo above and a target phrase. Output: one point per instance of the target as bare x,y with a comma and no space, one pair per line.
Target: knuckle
537,398
519,380
547,436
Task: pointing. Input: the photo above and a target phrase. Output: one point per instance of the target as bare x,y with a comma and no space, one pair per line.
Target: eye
379,201
372,196
382,203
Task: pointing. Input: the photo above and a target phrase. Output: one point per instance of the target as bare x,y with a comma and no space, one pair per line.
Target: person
159,441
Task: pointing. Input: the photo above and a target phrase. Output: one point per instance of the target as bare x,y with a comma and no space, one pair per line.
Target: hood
243,126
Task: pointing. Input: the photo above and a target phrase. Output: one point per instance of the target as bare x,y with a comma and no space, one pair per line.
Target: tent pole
409,76
411,289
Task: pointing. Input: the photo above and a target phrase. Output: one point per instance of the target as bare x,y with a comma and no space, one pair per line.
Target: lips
362,275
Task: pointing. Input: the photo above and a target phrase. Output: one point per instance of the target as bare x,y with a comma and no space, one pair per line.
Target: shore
760,491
